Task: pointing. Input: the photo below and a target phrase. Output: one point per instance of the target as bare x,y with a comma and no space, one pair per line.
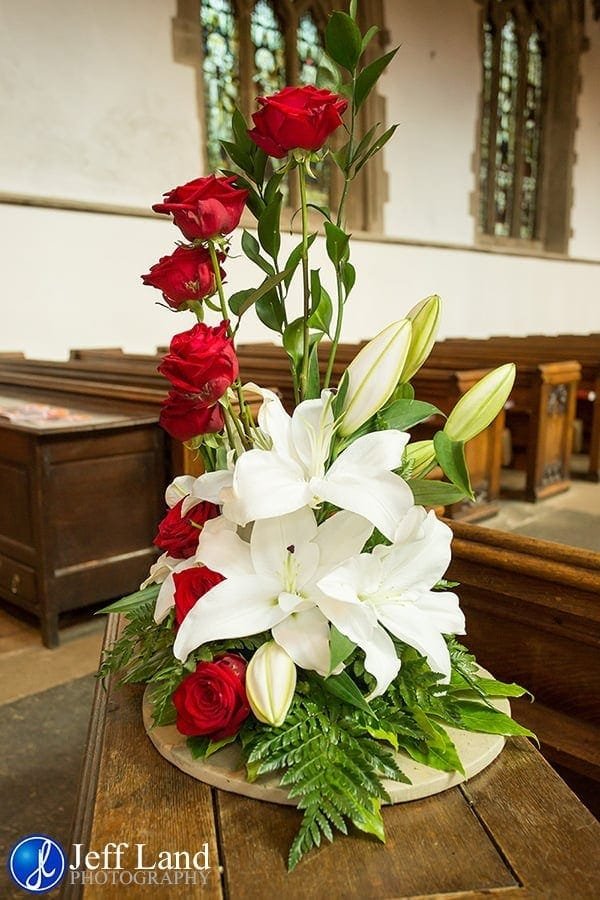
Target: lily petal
375,452
383,498
305,637
275,421
166,595
209,486
420,554
237,607
272,538
266,485
179,488
415,627
339,537
444,611
312,431
222,550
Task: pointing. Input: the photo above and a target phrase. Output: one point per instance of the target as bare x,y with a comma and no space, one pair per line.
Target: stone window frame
564,22
365,206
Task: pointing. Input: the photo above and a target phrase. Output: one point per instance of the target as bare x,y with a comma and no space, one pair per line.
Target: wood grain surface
515,830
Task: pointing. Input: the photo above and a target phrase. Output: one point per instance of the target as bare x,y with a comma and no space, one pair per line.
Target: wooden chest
81,483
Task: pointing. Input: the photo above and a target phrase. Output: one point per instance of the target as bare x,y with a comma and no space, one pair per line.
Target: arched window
242,49
530,54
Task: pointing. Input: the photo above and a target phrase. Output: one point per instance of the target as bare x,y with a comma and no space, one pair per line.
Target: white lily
374,373
178,489
270,683
389,590
270,583
292,475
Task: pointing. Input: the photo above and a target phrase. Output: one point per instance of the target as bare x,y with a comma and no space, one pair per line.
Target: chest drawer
18,583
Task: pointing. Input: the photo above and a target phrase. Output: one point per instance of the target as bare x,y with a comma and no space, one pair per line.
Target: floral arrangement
299,606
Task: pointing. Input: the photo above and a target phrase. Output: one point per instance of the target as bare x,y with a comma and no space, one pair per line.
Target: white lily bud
373,375
425,318
270,683
481,404
421,456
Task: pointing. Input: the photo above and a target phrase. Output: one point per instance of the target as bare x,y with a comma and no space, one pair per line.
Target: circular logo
37,863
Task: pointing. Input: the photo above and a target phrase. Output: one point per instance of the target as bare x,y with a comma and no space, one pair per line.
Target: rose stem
225,313
305,281
341,223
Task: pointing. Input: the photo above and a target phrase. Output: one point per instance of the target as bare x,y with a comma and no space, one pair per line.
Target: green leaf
353,9
293,260
403,414
313,386
270,311
451,457
273,186
404,392
441,754
239,156
336,243
293,340
343,40
240,130
488,686
344,688
368,37
322,307
364,143
321,209
370,821
251,248
131,601
242,301
348,277
476,717
328,75
198,746
238,300
369,76
340,648
376,147
260,164
434,493
340,397
218,745
269,233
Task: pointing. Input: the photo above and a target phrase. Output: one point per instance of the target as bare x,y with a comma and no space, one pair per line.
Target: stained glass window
510,146
269,49
310,47
220,71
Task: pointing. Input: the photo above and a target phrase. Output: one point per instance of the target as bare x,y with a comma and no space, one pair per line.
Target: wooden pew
533,617
549,348
540,413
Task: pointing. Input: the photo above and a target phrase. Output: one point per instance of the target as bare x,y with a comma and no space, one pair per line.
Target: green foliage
330,764
369,76
403,414
343,40
451,457
434,493
132,601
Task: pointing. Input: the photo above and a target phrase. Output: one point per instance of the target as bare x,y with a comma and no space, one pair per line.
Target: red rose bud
178,535
187,275
205,208
296,118
185,417
212,700
190,586
201,362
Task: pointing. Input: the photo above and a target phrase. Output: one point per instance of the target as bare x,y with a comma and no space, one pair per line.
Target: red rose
206,207
212,700
178,534
296,118
184,417
184,276
190,585
201,362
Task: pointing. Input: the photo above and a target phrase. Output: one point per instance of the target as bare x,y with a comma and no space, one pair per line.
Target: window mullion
491,181
515,227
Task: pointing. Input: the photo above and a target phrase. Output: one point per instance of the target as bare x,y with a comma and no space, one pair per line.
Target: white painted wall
93,108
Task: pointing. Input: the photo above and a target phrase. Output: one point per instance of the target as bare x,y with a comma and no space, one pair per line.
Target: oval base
225,769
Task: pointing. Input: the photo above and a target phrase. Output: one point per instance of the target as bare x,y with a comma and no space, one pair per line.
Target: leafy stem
237,384
341,223
305,281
